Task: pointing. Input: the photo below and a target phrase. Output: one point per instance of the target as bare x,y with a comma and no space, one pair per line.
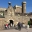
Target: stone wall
22,19
18,10
1,23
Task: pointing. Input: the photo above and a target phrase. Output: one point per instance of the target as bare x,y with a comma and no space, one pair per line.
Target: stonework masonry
16,13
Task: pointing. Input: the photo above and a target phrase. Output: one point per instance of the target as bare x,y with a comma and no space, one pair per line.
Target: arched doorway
11,22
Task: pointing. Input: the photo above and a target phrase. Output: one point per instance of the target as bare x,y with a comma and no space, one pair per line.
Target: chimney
23,7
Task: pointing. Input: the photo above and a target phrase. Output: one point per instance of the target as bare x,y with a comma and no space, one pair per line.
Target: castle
16,13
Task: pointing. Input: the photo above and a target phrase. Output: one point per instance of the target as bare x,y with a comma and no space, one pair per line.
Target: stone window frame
3,14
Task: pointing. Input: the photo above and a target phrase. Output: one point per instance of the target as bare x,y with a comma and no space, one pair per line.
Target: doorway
11,22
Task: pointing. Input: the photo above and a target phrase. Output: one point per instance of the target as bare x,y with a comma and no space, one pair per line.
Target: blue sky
4,4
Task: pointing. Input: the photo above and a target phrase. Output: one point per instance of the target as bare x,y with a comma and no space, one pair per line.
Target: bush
29,23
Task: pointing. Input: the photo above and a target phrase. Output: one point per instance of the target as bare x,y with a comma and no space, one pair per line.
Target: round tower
23,7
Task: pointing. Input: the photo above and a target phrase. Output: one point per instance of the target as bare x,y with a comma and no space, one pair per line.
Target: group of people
19,25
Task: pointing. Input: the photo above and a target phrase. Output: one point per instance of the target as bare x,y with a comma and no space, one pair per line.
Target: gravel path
14,30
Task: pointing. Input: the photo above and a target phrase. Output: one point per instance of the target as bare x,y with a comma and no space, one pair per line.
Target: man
19,26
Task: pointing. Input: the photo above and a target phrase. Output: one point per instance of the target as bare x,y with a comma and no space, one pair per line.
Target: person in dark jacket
19,25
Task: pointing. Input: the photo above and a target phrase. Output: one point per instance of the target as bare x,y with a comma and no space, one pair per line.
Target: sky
4,4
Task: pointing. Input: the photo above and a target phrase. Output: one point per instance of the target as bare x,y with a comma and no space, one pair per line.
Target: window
1,14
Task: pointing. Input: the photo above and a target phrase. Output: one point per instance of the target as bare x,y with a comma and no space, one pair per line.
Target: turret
23,7
9,4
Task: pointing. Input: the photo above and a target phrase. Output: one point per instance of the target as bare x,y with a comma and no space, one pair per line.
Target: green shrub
29,23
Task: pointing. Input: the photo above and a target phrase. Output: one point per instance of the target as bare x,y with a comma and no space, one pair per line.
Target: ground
13,30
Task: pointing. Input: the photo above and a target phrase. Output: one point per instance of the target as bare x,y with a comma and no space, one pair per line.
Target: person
19,26
6,26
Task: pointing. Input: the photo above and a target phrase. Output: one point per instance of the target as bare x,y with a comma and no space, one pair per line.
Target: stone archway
11,22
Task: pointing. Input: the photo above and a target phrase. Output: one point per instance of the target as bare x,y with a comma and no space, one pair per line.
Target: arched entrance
11,22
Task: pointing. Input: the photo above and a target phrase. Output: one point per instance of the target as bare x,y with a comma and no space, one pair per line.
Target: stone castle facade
16,13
